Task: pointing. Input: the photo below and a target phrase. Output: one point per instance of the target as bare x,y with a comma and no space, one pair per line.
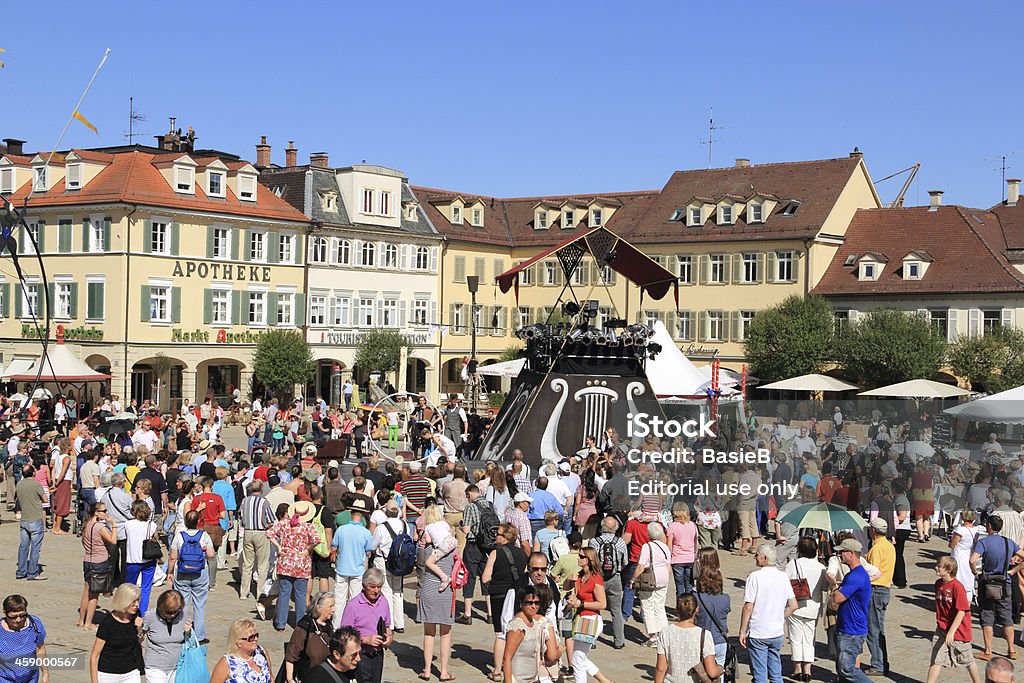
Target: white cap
520,497
415,466
565,467
333,463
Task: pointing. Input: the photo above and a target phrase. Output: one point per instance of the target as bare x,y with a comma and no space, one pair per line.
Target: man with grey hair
1013,524
768,600
365,612
999,670
119,509
256,517
612,557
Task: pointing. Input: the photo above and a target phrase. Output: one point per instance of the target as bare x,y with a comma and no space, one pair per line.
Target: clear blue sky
525,98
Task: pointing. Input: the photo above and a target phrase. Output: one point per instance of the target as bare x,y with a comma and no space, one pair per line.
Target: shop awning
607,248
17,367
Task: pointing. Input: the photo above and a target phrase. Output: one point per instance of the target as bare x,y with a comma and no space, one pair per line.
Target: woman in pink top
682,539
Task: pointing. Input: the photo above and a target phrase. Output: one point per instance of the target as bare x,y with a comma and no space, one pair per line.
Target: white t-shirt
145,437
769,590
381,537
135,532
60,412
205,542
558,489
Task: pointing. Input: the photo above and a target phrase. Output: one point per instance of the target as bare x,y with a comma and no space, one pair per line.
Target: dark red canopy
605,247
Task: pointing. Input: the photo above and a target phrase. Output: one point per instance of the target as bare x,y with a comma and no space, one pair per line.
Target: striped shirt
256,513
416,490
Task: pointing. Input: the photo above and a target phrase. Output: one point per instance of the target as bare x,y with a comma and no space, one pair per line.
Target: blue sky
526,98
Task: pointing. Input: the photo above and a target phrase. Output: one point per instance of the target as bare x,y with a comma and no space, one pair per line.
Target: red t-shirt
950,598
638,537
261,473
214,506
827,488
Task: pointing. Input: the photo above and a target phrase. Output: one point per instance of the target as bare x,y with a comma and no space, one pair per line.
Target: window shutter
272,308
479,264
796,266
702,326
772,271
952,318
175,231
451,319
147,240
246,236
499,267
176,304
234,236
92,294
272,247
401,313
18,301
760,268
41,238
299,308
974,322
64,237
670,324
403,256
144,302
209,241
737,267
1006,317
433,259
672,264
236,308
73,308
736,332
460,269
207,306
378,312
727,275
297,249
50,304
85,235
432,313
106,234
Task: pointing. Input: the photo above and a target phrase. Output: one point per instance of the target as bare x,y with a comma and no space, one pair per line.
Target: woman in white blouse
803,622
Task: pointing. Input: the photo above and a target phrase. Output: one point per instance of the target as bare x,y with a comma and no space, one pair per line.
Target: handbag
647,582
586,629
801,588
993,586
151,550
192,667
101,582
697,672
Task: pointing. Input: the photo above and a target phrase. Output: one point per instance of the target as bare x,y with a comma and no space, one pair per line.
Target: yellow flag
85,122
1,63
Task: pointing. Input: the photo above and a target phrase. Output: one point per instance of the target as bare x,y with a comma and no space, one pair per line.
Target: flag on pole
85,122
1,63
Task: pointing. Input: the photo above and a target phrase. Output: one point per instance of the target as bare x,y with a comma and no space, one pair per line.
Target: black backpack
606,554
487,531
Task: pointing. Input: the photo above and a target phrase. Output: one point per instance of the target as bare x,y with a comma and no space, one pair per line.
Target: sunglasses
538,569
252,638
531,602
16,617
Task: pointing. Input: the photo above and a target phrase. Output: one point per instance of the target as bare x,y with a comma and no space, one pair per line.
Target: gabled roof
1012,220
873,256
966,247
816,184
133,178
918,254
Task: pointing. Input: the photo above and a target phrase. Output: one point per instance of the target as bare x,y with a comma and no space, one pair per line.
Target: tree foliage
994,361
886,346
381,350
792,338
510,353
282,360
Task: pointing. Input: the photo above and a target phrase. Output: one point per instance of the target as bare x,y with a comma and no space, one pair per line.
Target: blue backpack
191,556
401,559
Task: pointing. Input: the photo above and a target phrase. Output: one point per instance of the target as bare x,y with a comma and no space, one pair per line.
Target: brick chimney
935,200
291,155
263,153
1012,190
319,159
742,163
856,153
15,146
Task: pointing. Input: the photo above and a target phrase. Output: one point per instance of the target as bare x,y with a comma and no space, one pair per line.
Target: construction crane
912,173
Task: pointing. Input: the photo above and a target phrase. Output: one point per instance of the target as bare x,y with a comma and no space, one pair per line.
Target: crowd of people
565,553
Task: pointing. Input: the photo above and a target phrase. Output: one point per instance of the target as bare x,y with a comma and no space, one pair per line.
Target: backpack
191,556
323,548
460,573
606,553
487,533
401,559
558,546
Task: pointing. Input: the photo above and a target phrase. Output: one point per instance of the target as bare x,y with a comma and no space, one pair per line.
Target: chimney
263,153
291,155
935,200
856,153
15,146
742,163
318,159
1012,190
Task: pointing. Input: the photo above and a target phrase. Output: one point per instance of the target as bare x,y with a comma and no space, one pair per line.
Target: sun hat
303,508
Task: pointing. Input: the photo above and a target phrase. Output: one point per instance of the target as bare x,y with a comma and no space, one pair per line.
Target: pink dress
42,475
684,542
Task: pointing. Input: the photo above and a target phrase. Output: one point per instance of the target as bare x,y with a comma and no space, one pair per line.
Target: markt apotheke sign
221,271
216,336
69,333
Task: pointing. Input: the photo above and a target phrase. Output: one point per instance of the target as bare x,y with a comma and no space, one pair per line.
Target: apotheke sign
221,271
219,337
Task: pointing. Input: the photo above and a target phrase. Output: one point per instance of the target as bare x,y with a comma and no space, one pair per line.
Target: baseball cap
565,467
851,544
415,466
520,497
333,463
879,525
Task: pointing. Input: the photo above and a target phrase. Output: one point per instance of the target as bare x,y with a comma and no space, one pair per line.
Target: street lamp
473,284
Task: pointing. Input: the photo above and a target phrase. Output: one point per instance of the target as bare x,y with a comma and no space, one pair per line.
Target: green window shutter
796,267
236,307
236,237
106,234
85,235
5,300
300,310
176,304
74,300
94,301
273,247
41,238
144,303
19,298
64,237
244,235
174,238
298,252
207,306
147,240
51,299
460,269
272,308
209,241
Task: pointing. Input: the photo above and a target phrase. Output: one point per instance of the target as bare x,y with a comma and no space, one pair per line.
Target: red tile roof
966,245
815,184
1012,219
132,178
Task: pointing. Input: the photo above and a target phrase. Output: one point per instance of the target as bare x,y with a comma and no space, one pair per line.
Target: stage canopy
62,366
605,247
1004,408
671,374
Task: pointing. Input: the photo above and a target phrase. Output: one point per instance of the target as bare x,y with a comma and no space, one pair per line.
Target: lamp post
473,284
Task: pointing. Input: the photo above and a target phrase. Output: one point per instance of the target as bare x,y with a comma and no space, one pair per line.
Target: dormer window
74,176
868,271
410,213
755,213
850,260
456,214
184,179
540,220
478,217
568,219
6,180
695,218
247,187
329,201
791,208
215,184
912,270
596,218
678,216
39,182
725,214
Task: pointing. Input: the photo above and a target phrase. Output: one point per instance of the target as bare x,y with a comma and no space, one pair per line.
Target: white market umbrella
18,398
508,368
918,388
812,382
41,393
919,448
59,365
1006,407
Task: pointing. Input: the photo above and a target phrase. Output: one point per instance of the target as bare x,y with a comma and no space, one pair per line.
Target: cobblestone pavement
910,620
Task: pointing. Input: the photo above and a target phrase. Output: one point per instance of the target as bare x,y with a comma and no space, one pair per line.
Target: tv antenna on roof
711,133
133,116
1002,168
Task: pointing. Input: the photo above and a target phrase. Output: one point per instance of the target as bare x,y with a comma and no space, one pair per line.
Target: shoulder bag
697,672
647,582
801,588
993,586
151,550
729,670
